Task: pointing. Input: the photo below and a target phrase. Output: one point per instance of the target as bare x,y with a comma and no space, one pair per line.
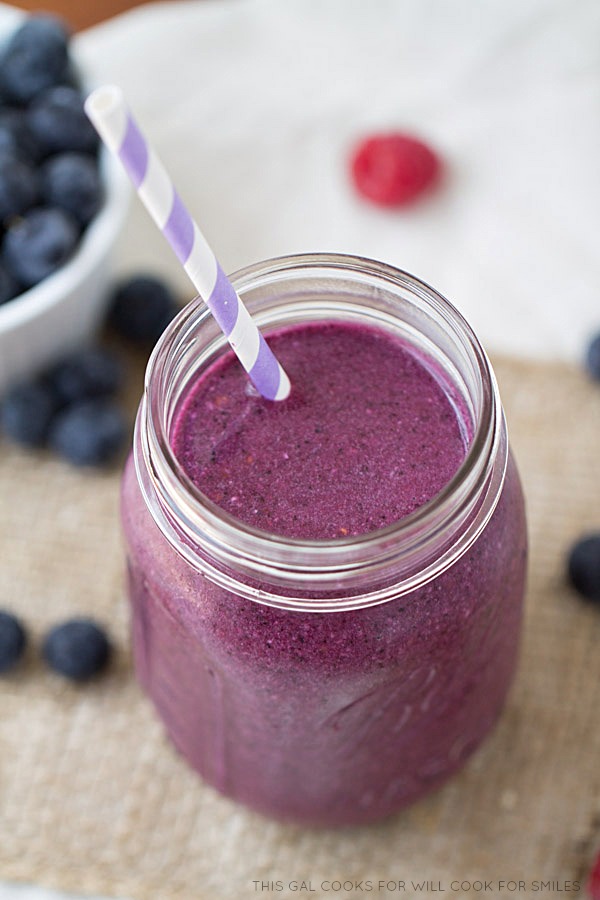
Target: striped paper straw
112,119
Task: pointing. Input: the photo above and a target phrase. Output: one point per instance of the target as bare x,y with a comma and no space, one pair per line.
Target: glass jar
326,682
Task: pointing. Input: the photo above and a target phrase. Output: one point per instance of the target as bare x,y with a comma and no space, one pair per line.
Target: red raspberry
393,169
593,885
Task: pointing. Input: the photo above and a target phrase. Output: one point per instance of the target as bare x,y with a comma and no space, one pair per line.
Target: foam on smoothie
367,435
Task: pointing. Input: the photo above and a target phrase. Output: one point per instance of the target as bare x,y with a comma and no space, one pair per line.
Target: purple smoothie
366,436
341,717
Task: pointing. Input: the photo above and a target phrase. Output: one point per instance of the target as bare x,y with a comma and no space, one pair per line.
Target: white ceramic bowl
63,311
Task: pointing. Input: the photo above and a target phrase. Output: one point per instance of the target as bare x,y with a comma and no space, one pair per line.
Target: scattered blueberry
142,308
90,433
26,413
12,641
39,243
71,181
592,358
67,408
57,121
18,188
77,649
35,58
91,372
584,567
9,287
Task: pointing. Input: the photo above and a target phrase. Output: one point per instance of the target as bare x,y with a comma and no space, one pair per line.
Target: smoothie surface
367,435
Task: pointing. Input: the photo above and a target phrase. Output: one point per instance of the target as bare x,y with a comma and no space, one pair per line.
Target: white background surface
255,105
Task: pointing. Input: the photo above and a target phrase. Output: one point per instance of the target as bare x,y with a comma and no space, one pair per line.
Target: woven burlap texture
93,797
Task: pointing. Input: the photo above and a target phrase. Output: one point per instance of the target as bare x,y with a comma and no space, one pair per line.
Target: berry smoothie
366,436
327,718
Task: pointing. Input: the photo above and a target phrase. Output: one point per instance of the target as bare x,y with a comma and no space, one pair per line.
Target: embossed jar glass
326,682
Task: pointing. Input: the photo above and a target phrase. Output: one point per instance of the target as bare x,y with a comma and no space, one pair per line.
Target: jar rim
230,548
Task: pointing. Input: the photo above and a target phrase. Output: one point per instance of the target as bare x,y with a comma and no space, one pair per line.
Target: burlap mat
93,798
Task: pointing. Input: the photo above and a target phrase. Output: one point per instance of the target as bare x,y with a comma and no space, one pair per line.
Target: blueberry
72,182
91,372
26,413
35,58
70,77
57,121
15,137
89,433
9,145
584,567
9,287
39,243
142,308
592,358
12,641
77,649
18,187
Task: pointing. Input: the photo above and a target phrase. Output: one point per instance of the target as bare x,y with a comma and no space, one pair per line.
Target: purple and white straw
111,117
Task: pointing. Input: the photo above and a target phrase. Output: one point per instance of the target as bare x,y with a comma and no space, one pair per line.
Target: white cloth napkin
255,106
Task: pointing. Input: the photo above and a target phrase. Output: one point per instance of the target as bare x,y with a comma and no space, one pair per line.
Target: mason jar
328,682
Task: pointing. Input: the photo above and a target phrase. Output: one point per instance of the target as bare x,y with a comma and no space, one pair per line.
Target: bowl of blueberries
63,201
